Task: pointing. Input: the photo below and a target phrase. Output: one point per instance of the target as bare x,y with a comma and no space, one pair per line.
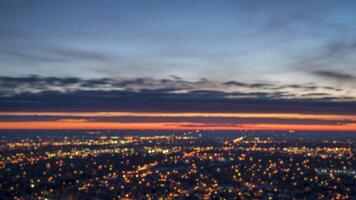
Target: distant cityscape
177,165
163,100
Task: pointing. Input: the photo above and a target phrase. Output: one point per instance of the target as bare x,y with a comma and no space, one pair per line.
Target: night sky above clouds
126,64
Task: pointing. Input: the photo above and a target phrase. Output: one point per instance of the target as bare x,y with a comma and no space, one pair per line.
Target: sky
273,59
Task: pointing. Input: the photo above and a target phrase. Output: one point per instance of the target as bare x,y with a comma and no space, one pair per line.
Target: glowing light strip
223,115
78,125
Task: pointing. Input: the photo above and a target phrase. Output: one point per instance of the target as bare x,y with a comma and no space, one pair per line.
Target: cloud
79,54
251,85
57,55
340,48
335,75
332,60
33,57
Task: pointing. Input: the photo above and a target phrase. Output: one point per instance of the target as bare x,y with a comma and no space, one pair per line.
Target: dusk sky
265,65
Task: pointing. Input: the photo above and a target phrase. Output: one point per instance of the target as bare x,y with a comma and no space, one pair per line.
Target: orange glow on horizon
80,125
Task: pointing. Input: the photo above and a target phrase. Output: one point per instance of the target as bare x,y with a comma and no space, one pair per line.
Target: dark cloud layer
35,84
34,93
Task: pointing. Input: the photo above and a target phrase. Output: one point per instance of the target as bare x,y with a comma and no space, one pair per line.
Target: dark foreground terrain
177,165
